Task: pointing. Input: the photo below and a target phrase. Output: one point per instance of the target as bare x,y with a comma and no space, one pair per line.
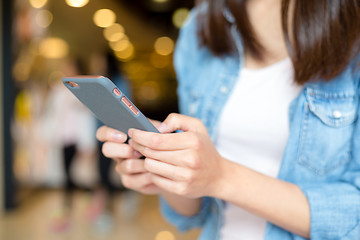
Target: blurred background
54,182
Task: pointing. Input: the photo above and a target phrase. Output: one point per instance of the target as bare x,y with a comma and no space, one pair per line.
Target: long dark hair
325,34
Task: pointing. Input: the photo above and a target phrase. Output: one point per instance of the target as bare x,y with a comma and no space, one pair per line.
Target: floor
135,217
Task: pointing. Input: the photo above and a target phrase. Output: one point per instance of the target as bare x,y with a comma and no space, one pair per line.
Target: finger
150,189
119,150
131,166
156,123
181,122
166,170
105,133
174,157
166,141
136,181
166,184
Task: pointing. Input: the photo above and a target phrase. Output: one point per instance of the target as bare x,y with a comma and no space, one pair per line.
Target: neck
265,18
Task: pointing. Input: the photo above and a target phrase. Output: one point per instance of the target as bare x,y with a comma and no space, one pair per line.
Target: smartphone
108,103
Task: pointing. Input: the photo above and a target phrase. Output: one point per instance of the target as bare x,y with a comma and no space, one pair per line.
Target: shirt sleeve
183,223
335,206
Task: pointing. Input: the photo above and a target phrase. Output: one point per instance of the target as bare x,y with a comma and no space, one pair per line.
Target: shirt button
224,90
337,114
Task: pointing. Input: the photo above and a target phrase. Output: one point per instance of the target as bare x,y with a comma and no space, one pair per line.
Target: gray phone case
108,103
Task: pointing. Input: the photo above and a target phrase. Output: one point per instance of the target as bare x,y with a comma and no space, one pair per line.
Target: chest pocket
327,130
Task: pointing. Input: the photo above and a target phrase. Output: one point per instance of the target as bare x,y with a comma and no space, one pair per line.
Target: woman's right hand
128,163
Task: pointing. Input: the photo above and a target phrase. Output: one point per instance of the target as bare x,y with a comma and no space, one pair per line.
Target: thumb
184,123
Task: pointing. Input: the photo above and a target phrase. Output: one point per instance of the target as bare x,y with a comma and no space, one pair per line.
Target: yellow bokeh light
43,18
37,3
164,46
179,17
126,54
165,235
114,32
76,3
53,48
160,1
104,18
121,45
113,44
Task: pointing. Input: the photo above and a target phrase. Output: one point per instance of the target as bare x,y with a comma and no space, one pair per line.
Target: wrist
182,205
223,185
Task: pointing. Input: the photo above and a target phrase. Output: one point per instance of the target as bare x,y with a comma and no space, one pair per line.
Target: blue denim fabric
322,155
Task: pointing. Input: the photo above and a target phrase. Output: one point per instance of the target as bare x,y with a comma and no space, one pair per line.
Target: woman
270,148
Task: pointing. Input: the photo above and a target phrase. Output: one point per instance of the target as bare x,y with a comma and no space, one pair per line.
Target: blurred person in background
70,128
270,146
102,209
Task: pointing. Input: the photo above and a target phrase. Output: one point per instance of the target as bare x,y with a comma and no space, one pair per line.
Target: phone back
108,103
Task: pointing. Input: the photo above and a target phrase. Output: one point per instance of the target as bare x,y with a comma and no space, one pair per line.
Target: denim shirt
322,155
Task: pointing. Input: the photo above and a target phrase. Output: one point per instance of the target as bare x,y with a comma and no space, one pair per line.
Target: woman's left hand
184,163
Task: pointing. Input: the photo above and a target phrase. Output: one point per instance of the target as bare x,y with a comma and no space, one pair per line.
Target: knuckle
188,177
106,149
146,180
194,140
128,151
146,151
147,165
181,189
172,116
193,161
156,141
197,142
129,167
198,122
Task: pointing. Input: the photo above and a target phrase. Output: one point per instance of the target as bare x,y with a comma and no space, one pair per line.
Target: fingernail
137,154
162,127
118,136
130,132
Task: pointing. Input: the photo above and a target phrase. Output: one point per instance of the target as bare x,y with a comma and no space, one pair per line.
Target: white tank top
253,131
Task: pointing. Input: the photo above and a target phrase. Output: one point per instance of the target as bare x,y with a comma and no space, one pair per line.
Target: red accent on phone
116,92
129,105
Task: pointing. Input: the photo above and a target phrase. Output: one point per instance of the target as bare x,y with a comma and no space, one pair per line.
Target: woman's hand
185,163
128,163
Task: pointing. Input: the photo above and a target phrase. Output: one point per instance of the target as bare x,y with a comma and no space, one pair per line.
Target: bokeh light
37,3
121,45
164,46
76,3
160,1
104,18
43,18
53,48
126,54
179,17
165,235
114,32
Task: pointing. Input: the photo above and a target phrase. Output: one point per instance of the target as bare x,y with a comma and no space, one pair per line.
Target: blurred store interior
52,185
